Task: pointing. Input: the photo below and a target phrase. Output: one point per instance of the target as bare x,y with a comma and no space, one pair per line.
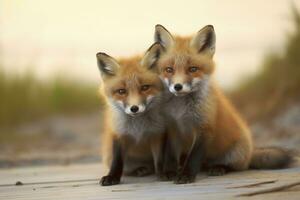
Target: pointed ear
107,65
152,55
205,41
163,36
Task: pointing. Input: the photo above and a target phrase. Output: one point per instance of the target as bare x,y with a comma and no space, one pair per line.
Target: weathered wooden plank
52,173
81,182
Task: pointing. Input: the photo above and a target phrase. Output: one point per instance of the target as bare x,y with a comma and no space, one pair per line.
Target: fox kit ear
163,36
205,41
106,64
152,55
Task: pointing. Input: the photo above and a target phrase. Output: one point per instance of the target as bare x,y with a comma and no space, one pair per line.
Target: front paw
142,171
216,171
167,176
184,178
109,180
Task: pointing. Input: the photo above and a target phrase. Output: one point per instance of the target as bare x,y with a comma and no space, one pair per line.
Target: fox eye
145,87
121,91
193,69
169,70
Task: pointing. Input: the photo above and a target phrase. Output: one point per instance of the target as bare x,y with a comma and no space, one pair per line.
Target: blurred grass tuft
277,84
24,98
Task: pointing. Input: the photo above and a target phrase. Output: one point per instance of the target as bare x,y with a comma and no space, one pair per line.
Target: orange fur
224,130
130,76
227,138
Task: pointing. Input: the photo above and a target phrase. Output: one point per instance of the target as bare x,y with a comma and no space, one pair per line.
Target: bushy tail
271,158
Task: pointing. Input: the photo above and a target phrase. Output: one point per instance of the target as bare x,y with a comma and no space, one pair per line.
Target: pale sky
63,36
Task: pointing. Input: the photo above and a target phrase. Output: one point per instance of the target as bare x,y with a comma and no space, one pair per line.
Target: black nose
134,109
178,87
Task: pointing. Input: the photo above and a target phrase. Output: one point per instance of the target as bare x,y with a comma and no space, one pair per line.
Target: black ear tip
207,28
99,54
158,25
210,27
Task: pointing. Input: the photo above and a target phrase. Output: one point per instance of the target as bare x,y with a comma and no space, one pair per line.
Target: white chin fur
180,94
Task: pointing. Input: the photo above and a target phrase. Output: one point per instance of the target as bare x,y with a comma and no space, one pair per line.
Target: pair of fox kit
165,114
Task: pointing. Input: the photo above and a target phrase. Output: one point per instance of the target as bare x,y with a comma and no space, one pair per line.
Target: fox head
184,64
130,86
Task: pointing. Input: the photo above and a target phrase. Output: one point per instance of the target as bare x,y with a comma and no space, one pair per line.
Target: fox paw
216,171
185,178
142,171
167,176
109,180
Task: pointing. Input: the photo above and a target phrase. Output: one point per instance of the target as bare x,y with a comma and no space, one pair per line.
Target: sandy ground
61,139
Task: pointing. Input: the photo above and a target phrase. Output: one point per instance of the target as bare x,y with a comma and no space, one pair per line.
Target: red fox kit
134,126
206,127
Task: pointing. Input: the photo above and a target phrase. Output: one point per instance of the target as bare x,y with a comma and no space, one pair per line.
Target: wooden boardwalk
81,182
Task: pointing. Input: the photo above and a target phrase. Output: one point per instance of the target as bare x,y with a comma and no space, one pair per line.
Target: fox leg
157,148
192,163
170,161
116,166
138,167
141,170
217,170
172,153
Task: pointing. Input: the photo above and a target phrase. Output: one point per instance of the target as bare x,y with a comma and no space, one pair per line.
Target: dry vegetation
43,122
24,98
277,85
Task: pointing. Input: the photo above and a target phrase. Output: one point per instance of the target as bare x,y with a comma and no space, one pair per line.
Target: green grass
24,98
277,84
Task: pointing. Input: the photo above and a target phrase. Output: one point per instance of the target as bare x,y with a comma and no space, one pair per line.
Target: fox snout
179,89
135,109
182,85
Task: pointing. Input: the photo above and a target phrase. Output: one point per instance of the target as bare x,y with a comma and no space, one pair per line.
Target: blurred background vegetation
276,85
39,117
25,98
270,98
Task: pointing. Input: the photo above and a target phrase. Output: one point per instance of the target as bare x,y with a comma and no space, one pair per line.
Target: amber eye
193,69
169,70
145,87
121,91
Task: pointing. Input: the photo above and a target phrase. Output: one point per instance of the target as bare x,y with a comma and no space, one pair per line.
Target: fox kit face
183,63
130,87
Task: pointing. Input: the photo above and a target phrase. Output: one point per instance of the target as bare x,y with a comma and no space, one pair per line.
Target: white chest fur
140,127
185,111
